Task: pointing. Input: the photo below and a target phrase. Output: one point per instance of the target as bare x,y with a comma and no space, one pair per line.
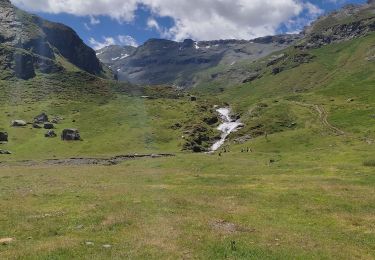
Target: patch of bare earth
226,227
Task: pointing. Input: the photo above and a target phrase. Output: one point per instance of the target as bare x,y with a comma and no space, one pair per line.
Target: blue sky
103,22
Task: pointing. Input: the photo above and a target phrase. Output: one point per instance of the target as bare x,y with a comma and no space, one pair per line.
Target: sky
132,22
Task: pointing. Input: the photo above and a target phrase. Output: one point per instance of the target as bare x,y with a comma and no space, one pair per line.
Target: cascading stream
228,126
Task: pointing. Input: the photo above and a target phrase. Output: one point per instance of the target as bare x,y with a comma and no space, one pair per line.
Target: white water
228,126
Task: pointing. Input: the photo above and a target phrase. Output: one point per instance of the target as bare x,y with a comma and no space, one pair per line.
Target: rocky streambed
84,161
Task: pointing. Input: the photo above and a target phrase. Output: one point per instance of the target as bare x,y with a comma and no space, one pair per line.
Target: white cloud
153,24
107,41
99,45
127,40
94,21
197,19
87,27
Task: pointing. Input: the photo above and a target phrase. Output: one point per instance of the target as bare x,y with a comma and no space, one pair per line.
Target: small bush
369,163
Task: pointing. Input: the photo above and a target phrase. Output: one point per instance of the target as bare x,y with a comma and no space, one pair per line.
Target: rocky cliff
30,44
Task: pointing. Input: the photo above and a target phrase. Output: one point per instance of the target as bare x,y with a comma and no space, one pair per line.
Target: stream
228,126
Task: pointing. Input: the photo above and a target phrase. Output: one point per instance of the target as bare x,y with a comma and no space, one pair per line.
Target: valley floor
281,202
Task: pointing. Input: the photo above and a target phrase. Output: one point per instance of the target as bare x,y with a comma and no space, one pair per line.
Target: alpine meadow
259,148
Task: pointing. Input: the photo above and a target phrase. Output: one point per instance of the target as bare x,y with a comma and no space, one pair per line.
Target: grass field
314,202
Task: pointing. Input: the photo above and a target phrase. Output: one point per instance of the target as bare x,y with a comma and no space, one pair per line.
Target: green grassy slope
340,80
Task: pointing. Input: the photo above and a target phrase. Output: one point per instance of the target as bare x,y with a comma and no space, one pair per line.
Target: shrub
369,163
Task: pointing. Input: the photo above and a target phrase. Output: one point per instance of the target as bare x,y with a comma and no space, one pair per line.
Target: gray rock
5,152
48,126
3,137
42,118
36,126
107,246
18,123
70,135
50,134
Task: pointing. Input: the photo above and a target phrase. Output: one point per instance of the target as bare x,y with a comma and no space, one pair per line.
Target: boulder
3,137
18,123
42,118
70,135
211,120
48,126
36,126
56,120
50,134
4,152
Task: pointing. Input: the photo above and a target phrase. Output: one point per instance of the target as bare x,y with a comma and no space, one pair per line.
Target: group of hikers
243,150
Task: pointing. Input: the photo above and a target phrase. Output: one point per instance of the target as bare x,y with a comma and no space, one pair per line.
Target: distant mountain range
161,61
180,63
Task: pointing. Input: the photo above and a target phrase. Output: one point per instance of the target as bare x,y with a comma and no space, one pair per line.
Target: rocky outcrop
345,24
29,44
71,46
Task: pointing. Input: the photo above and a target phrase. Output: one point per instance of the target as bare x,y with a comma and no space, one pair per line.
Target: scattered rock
18,123
48,126
107,246
89,243
79,227
40,119
3,137
56,120
350,100
276,70
6,241
251,77
5,152
176,126
70,135
275,59
50,134
242,139
211,120
36,126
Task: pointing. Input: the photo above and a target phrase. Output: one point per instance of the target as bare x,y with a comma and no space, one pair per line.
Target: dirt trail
323,117
84,161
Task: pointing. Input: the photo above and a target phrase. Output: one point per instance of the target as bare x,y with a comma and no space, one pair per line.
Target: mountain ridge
147,63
